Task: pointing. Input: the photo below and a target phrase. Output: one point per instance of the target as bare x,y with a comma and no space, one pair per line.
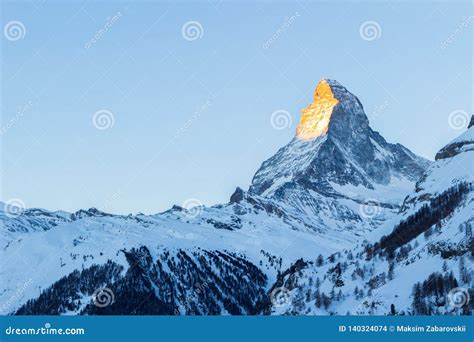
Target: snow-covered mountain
419,262
335,185
16,220
336,168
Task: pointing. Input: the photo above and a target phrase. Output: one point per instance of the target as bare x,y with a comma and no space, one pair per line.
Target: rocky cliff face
336,162
335,145
463,143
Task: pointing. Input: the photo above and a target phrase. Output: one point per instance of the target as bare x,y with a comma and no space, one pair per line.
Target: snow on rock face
454,164
318,171
430,259
349,152
463,143
19,221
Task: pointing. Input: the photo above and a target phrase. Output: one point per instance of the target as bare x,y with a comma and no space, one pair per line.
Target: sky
135,106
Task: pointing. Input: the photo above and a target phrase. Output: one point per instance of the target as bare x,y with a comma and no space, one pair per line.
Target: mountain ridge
418,262
328,193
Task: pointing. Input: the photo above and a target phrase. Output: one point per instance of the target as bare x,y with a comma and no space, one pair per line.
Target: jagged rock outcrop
463,143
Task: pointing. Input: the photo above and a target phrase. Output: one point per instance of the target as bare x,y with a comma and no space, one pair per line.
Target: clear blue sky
159,152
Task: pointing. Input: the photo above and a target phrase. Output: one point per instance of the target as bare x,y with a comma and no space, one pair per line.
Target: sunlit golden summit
315,118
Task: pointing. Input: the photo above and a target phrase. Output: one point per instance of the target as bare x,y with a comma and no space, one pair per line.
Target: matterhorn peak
334,144
315,118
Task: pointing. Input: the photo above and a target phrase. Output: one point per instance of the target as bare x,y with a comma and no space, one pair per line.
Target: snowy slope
17,221
361,280
43,257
